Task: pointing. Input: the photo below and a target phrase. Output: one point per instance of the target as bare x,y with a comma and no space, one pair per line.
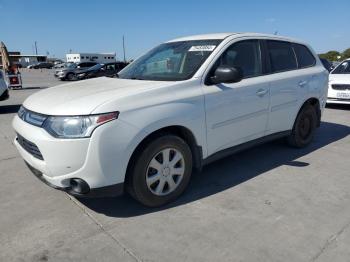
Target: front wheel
71,77
304,127
162,171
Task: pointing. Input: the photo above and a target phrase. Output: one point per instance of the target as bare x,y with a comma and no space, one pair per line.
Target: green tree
331,55
346,54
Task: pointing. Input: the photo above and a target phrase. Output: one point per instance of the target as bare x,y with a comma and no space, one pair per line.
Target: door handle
261,92
302,83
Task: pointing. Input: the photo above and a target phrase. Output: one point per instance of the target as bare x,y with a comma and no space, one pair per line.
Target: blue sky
98,26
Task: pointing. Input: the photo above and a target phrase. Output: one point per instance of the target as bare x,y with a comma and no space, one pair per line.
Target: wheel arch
180,131
315,102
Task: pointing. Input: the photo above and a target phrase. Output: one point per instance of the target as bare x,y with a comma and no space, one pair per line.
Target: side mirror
227,75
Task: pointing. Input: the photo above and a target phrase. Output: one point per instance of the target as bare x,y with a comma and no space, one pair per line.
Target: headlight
76,126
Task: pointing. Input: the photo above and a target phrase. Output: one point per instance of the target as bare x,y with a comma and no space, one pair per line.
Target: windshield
71,65
343,68
170,61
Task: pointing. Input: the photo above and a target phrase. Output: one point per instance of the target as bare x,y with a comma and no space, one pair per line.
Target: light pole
36,48
124,49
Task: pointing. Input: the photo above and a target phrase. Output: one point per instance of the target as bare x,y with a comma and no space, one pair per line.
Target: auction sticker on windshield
198,48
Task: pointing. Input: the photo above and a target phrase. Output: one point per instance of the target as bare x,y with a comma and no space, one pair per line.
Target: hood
81,98
339,78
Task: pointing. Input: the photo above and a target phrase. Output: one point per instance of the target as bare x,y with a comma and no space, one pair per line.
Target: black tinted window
281,55
246,55
304,56
88,64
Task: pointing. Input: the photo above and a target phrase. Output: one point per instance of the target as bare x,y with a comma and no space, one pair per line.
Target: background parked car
70,72
109,70
62,65
58,61
41,65
327,64
339,84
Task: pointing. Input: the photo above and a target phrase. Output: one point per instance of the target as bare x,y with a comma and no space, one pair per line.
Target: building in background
24,60
101,58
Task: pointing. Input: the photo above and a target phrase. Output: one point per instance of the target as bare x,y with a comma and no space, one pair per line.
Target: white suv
4,92
180,106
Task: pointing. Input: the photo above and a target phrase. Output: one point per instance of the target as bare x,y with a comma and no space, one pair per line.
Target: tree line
335,55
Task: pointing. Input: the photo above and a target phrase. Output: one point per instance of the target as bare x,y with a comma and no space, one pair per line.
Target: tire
151,166
70,77
304,127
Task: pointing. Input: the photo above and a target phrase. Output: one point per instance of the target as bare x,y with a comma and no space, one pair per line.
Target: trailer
101,58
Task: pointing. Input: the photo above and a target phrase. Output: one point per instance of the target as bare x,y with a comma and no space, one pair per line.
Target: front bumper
338,96
60,75
107,191
101,160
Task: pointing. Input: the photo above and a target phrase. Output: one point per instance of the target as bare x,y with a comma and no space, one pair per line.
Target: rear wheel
304,127
162,171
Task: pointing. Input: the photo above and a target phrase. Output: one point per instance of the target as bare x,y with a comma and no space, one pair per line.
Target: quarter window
304,56
246,55
281,56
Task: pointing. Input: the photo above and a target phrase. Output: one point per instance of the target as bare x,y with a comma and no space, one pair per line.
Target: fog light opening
79,186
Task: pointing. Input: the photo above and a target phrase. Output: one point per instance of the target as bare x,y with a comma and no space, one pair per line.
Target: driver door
237,112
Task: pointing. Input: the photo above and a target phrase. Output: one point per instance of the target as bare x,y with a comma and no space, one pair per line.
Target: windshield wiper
136,78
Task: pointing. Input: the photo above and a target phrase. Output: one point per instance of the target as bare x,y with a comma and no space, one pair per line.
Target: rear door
237,112
3,86
288,85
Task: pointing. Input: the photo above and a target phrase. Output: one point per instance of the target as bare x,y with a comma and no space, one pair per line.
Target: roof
203,37
225,35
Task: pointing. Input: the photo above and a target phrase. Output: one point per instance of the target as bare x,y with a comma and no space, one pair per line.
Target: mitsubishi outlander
181,105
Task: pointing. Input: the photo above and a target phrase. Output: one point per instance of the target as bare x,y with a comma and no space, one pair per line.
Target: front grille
30,147
341,87
30,117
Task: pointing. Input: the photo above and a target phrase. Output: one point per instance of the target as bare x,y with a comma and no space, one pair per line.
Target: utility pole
36,48
124,48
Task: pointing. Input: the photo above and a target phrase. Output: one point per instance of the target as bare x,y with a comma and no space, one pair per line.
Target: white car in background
180,106
339,84
4,92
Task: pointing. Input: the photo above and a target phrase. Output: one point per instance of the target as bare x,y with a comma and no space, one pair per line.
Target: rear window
281,55
304,56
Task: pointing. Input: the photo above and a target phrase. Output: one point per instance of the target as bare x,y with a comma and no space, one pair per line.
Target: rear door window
282,57
304,56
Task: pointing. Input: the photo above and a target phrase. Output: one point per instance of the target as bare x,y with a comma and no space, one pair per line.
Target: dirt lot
270,203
